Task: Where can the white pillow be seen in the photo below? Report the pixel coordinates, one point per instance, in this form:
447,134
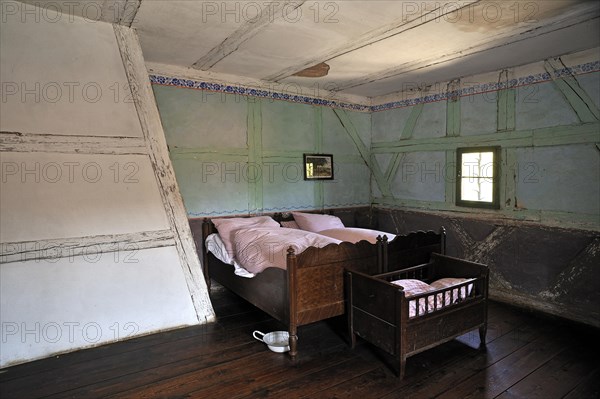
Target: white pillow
316,222
227,226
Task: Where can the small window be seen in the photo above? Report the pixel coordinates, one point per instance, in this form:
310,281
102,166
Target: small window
477,177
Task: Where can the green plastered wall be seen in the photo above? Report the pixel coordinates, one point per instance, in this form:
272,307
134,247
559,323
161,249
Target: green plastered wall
241,155
550,160
234,154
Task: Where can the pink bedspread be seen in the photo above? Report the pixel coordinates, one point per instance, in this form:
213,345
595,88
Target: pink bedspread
355,234
257,248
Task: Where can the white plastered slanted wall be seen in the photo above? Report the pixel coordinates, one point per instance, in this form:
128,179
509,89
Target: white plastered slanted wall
94,241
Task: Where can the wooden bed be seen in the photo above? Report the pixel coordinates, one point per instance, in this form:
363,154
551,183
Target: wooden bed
380,312
312,286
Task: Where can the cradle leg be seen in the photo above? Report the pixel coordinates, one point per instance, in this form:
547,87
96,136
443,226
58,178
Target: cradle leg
352,339
482,333
401,368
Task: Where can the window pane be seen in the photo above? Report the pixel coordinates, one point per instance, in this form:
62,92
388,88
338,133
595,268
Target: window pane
477,189
476,177
478,164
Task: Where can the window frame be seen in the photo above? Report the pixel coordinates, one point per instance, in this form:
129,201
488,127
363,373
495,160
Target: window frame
495,204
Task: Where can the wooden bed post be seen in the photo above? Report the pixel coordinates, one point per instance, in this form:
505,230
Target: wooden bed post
382,254
292,268
443,234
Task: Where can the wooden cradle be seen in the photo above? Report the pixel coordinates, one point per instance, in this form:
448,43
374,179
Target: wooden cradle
312,287
379,311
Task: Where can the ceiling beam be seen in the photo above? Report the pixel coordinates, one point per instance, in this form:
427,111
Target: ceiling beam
584,14
394,28
246,31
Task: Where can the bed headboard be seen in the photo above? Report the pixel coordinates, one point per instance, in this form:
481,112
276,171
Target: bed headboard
412,249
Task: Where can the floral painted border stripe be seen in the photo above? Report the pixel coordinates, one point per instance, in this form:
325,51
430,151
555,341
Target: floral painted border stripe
277,209
593,66
230,89
491,86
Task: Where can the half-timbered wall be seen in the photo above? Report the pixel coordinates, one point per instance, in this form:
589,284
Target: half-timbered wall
543,244
95,245
235,154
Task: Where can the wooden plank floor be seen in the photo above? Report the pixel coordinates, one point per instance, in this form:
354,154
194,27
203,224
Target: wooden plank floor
527,356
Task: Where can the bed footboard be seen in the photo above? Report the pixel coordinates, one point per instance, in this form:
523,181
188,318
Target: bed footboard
316,281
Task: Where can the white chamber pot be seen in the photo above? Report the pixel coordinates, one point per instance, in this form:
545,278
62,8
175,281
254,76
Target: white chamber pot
277,341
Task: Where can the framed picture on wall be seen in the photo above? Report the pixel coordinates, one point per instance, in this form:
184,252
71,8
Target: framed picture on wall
318,167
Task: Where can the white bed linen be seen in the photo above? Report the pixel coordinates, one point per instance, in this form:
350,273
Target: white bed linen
257,248
214,244
356,234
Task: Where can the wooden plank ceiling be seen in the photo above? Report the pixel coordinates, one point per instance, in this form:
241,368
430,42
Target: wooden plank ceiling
372,48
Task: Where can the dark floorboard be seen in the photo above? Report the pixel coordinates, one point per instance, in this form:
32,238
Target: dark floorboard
527,356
